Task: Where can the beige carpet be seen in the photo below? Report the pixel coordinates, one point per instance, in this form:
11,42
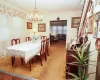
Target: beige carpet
53,69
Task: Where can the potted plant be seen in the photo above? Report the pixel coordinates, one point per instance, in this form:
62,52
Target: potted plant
82,58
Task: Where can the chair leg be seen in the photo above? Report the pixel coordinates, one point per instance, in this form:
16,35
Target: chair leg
12,60
45,56
47,52
30,64
41,61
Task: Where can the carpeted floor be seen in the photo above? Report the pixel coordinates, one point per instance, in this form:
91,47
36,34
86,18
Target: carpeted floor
53,69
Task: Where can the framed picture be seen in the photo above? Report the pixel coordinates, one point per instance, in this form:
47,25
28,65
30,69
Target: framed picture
29,25
75,22
97,16
99,25
90,25
42,27
95,32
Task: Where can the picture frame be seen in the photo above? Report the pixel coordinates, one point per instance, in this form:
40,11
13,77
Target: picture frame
29,25
97,16
90,25
75,22
41,27
99,25
95,32
97,19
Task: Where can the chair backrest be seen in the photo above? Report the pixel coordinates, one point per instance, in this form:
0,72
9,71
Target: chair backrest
27,39
47,42
15,41
43,37
43,46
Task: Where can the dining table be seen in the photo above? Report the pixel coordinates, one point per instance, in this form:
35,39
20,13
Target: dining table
25,50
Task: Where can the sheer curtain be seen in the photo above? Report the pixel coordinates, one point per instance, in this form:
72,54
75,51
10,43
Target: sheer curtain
12,27
54,30
64,30
4,27
18,27
58,30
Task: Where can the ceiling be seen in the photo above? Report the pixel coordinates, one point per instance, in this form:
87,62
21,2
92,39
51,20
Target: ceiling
45,6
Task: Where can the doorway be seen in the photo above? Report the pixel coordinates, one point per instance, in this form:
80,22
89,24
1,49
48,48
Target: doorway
58,30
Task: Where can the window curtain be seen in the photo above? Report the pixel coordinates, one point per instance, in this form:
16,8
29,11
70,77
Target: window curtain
58,30
4,27
54,30
64,30
12,27
58,27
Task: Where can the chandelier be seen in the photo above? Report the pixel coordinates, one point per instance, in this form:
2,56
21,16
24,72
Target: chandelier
35,16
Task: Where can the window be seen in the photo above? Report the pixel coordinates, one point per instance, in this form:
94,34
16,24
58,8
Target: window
4,27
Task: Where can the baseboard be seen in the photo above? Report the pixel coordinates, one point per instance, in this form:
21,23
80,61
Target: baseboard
17,75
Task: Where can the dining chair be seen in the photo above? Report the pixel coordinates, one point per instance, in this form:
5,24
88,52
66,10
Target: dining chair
47,46
43,37
42,52
14,42
27,39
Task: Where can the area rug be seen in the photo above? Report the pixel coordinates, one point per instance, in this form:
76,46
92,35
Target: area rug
4,75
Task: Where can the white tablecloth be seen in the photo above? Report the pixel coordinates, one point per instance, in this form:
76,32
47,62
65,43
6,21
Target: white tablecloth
26,50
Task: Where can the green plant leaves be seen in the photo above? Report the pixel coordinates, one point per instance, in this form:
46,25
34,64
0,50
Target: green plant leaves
81,57
75,77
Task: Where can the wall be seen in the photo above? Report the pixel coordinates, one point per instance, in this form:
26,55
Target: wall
71,32
92,68
16,27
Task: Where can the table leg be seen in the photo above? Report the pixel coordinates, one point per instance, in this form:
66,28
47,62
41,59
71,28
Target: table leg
12,60
22,61
30,64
